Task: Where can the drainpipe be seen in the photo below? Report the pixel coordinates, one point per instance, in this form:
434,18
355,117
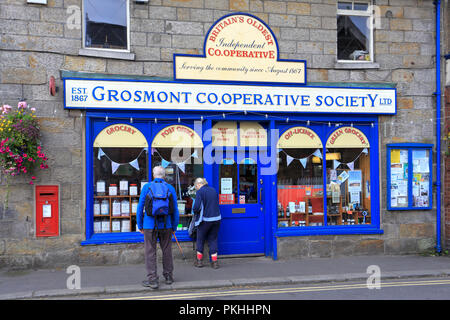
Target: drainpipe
437,3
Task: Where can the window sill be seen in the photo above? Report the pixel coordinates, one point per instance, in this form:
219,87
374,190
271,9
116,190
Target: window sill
329,230
127,237
356,65
107,54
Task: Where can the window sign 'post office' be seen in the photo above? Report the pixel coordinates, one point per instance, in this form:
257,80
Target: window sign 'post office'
240,47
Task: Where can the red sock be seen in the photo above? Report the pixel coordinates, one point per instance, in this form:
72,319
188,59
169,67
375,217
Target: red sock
214,257
199,256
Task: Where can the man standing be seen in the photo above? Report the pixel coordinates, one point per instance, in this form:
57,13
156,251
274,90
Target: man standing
206,208
154,227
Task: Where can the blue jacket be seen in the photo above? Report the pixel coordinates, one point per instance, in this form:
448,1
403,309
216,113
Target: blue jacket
206,205
146,222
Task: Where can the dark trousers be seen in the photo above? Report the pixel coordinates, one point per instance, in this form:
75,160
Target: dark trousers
165,242
208,231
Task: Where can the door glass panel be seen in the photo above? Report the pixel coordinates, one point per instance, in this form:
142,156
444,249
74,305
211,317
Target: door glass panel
228,181
248,177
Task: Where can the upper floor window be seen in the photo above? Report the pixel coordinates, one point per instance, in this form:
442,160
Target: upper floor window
106,24
354,31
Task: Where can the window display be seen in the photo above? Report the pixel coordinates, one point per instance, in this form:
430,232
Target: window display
179,149
112,203
348,186
181,176
300,178
120,160
348,177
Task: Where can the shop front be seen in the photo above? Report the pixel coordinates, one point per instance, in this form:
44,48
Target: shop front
287,159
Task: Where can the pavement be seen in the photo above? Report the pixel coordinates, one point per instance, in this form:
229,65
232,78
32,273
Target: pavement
233,272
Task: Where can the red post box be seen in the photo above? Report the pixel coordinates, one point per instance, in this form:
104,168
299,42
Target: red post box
47,211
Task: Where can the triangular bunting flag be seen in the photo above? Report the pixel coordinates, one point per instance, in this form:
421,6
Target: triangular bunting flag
336,164
114,166
195,154
365,151
318,154
164,163
181,165
289,159
351,165
303,162
100,153
135,164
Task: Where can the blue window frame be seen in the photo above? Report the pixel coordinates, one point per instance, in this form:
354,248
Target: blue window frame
409,176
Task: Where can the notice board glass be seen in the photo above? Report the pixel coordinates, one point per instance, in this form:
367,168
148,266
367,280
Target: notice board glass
409,176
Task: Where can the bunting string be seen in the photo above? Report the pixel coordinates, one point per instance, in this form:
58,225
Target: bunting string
317,153
115,165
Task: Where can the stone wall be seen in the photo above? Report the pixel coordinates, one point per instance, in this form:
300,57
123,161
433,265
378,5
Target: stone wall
37,42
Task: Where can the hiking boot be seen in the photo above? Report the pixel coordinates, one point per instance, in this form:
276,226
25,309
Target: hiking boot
198,263
151,284
169,279
214,265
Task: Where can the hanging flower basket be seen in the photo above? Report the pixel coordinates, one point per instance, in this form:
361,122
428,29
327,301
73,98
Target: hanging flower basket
20,146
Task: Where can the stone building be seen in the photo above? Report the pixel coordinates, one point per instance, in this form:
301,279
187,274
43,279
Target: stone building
392,44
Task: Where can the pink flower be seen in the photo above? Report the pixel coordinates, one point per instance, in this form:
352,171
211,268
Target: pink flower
22,105
31,182
33,177
6,108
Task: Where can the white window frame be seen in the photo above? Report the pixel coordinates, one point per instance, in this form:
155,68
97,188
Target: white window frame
360,13
127,50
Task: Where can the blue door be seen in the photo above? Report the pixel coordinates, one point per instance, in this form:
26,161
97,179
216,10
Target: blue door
237,179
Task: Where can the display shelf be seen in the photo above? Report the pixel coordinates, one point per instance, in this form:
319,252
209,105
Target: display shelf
131,216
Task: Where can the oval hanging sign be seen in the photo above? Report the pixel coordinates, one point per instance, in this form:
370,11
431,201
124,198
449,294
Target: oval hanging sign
348,137
299,137
177,136
240,47
120,135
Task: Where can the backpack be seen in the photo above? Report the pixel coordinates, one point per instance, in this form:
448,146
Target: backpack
158,202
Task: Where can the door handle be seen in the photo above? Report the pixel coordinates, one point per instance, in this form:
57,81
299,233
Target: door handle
260,196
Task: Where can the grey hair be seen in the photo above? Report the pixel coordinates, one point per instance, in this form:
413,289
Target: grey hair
201,181
159,172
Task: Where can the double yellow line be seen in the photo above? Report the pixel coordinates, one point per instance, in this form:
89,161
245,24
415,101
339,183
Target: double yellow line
263,291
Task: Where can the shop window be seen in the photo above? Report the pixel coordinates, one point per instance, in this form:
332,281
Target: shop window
354,31
179,150
300,179
348,177
120,168
409,176
106,24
